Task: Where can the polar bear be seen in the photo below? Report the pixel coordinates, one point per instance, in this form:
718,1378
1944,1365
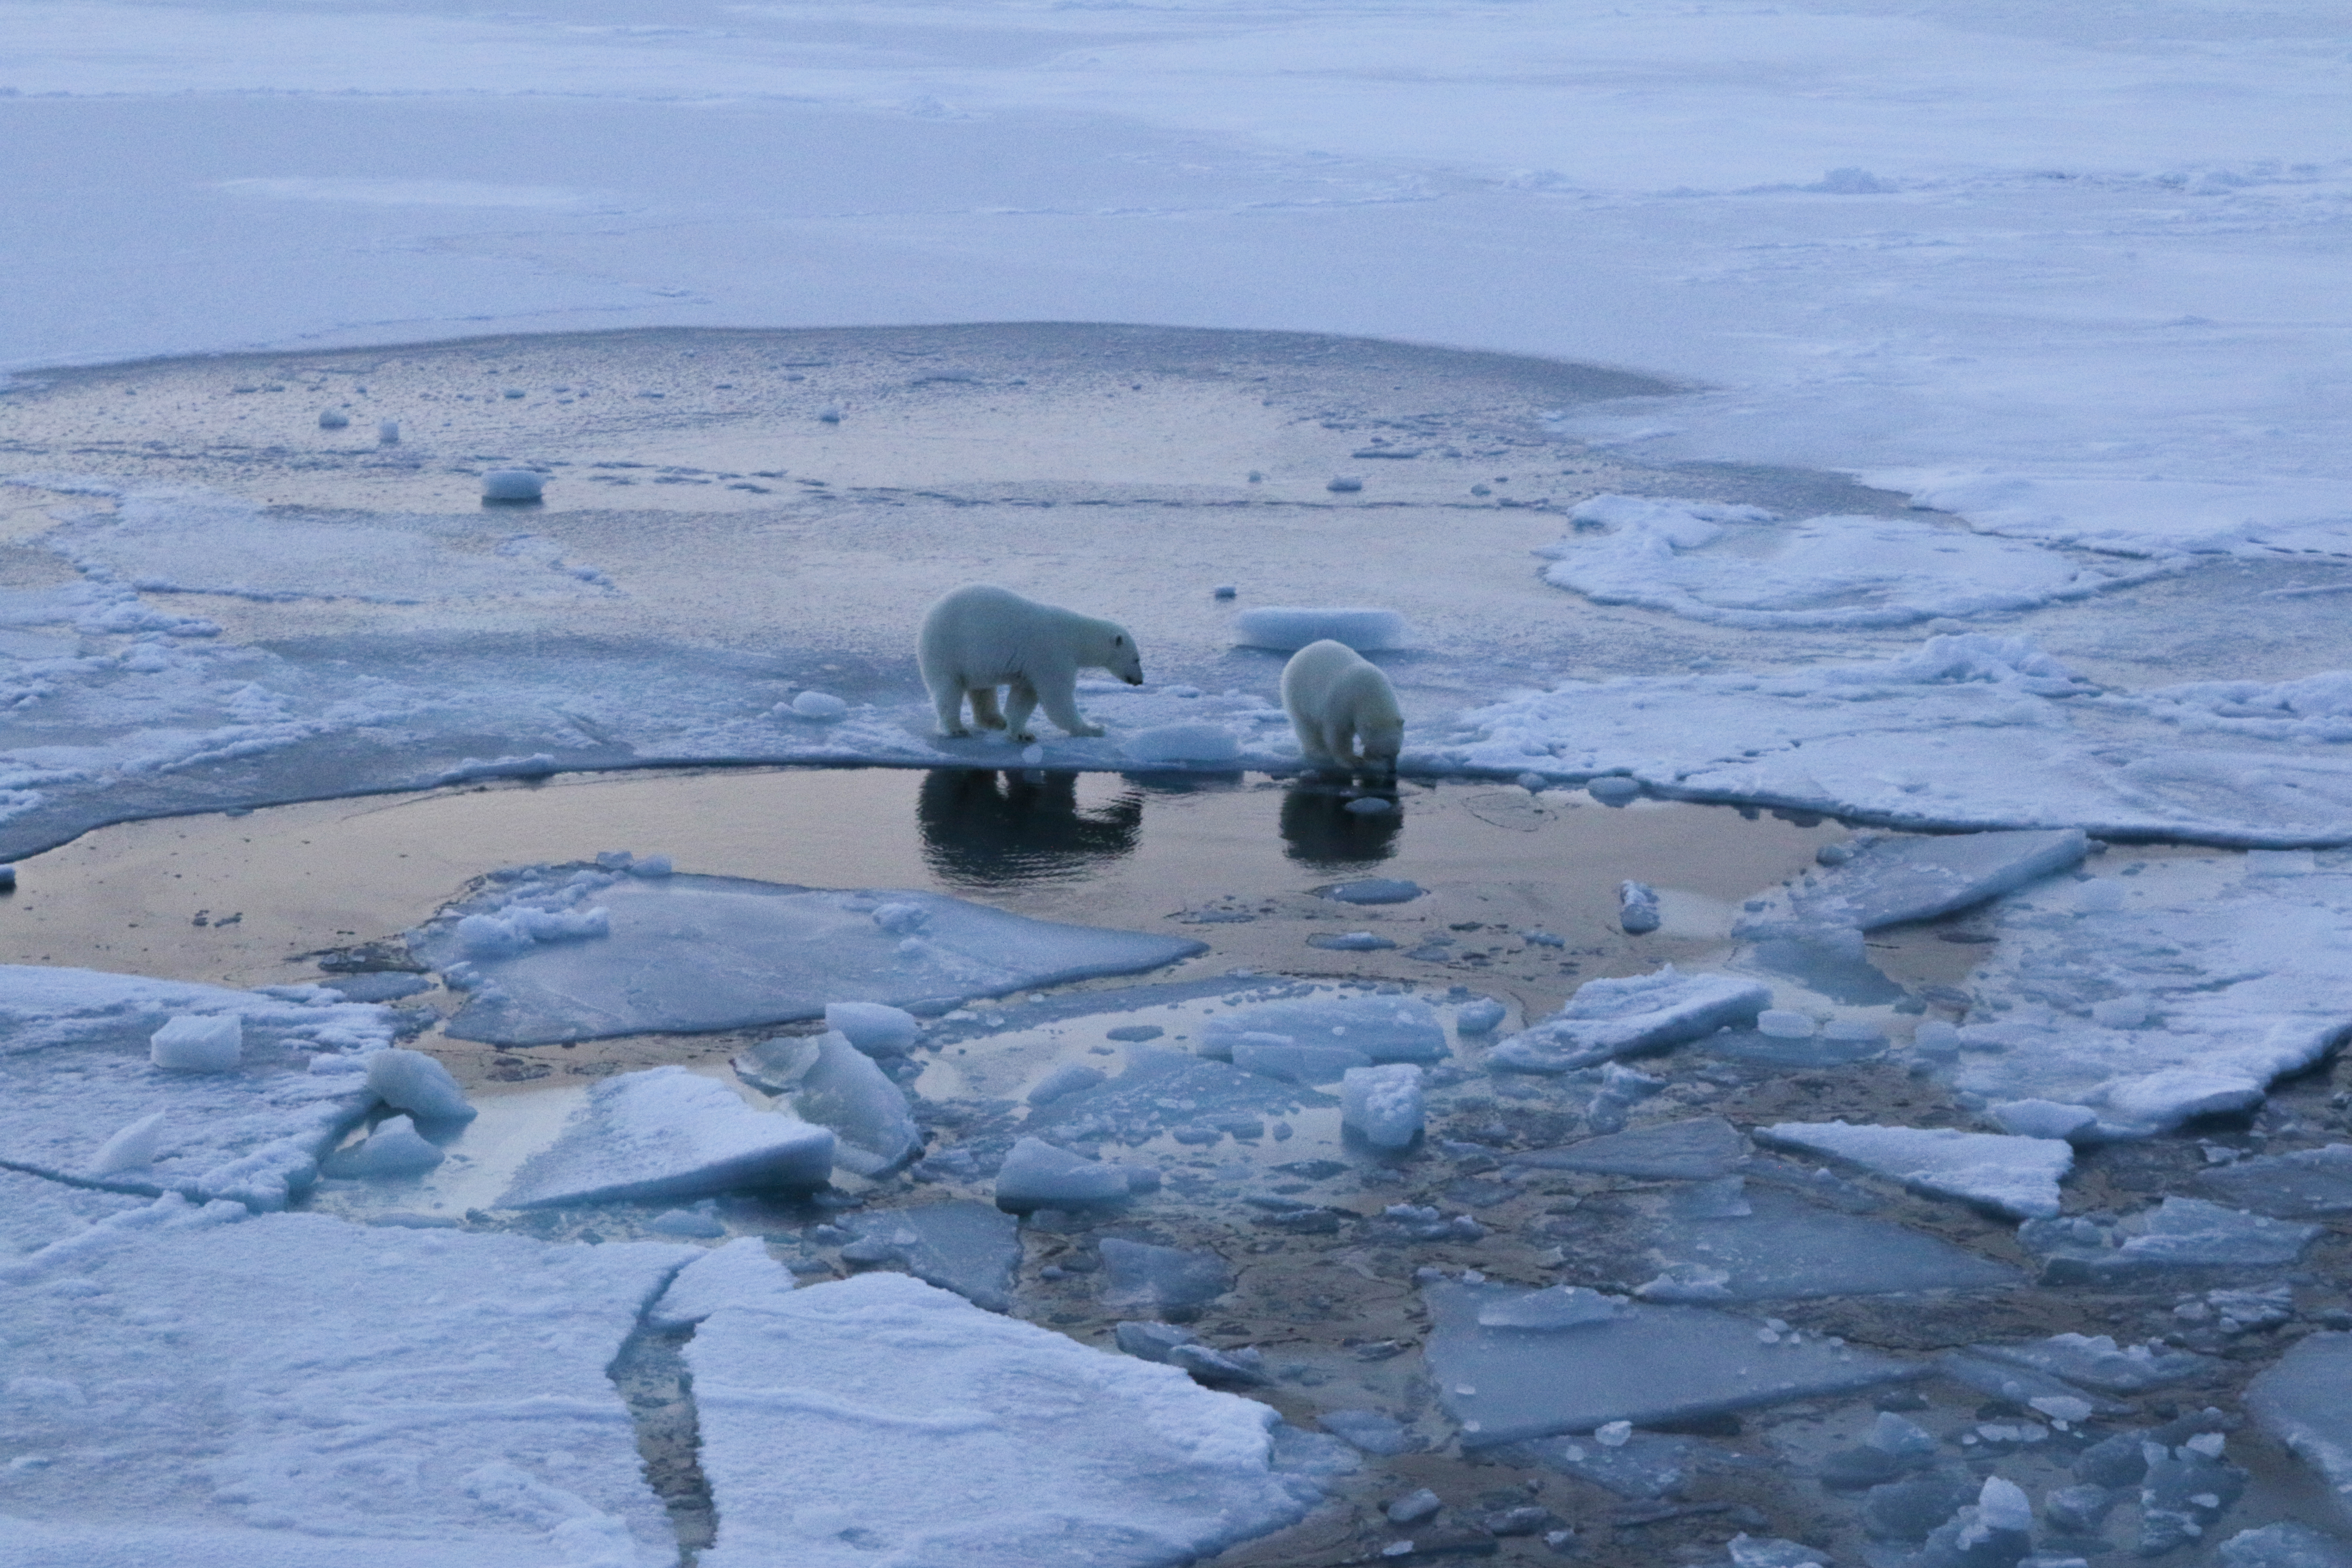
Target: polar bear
980,637
1335,698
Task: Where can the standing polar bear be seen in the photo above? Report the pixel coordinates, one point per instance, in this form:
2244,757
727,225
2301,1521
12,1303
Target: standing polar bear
1335,698
979,638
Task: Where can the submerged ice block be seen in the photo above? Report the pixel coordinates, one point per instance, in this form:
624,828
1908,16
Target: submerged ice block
1889,880
1615,1017
971,1248
1383,1028
2011,1176
1785,1248
667,1133
947,1434
1647,1364
2304,1400
1696,1151
309,1393
686,953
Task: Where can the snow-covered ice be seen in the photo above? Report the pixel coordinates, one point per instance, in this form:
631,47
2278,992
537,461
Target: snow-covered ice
667,1133
1286,629
1615,1017
290,1389
191,1042
570,953
391,1148
1036,1174
413,1081
741,1273
1383,1103
874,1028
830,1082
2015,1177
975,1439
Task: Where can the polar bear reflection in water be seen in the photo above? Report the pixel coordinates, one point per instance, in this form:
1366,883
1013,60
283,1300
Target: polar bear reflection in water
982,828
980,638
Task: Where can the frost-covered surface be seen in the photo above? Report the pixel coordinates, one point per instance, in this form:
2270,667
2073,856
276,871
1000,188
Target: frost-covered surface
740,1273
1617,1018
2149,999
667,1133
977,1440
2016,1176
206,1388
569,952
2305,1402
35,1212
76,1069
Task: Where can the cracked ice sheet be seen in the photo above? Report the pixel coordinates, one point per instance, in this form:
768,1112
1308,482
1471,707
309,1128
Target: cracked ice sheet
74,1071
690,952
214,1390
975,1439
2232,968
1968,732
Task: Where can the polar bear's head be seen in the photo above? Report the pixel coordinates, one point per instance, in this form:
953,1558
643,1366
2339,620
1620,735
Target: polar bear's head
1118,654
1382,740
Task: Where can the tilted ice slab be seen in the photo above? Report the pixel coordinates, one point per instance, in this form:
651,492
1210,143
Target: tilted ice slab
75,1071
971,1248
1650,1365
668,1133
2178,1233
2097,1361
1787,1248
1617,1018
1968,732
1890,880
288,1389
2305,1402
2015,1177
541,964
2183,990
969,1438
1744,567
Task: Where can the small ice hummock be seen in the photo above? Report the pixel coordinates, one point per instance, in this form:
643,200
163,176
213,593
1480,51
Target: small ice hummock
831,1083
2011,1176
193,1042
1138,1276
134,1148
1383,1103
742,1273
1286,629
1194,745
874,1028
511,485
394,1149
1037,1175
1614,1017
387,433
1114,1461
413,1081
2043,1119
333,419
819,706
971,1248
1891,879
1637,909
1383,1028
667,1133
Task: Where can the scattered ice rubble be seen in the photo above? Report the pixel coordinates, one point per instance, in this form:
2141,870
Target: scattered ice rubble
571,953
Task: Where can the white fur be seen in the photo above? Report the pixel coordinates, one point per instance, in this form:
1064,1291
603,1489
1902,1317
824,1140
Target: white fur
1335,699
979,638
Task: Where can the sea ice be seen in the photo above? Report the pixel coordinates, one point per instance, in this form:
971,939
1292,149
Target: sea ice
2178,1233
1787,1248
1375,891
1138,1276
2097,1361
1182,744
2304,1184
1277,1056
742,1273
1645,1466
413,1081
1383,1103
1383,1028
667,1133
76,1075
1891,879
979,1441
2015,1177
2235,969
1637,909
1037,1175
190,1042
1615,1017
419,1398
132,1149
36,1211
830,1082
1163,1089
874,1028
1650,1365
512,485
971,1248
1562,1307
1068,1078
2287,1545
1697,1150
1286,629
689,952
393,1148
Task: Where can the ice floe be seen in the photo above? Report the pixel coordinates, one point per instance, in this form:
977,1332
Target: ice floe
1383,1028
1695,1150
2177,1233
741,1273
569,952
2304,1184
1785,1246
977,1439
1885,880
1615,1017
668,1133
2015,1177
971,1248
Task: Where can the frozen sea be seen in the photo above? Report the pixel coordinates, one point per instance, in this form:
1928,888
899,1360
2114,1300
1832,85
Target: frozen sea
1828,1052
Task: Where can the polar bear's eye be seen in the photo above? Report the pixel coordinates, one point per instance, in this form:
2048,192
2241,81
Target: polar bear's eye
1119,642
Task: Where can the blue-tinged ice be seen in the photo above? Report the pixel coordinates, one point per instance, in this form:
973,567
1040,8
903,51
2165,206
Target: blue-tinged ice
1697,1150
971,1248
2287,1545
2304,1184
2097,1361
1140,1277
1383,1103
1888,880
1385,1029
2304,1400
1621,1016
667,1133
1037,1175
1787,1248
574,953
2015,1177
2178,1233
741,1273
828,1081
36,1211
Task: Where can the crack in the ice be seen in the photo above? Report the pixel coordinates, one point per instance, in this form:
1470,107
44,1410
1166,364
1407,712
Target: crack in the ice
651,1376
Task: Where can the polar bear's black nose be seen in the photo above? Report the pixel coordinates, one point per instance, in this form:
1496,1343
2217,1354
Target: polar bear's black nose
1135,680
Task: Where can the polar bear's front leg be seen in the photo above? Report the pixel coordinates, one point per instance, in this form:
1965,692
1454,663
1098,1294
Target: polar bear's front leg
1061,701
1020,701
983,707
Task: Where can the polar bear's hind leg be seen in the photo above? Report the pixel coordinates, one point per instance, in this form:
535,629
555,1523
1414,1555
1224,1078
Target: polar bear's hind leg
1020,701
983,707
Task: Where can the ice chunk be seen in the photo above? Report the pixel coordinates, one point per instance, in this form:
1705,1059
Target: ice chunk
1479,1016
2042,1118
2285,1544
414,1082
2304,1400
1369,1430
1375,891
698,1223
1068,1078
818,707
1287,628
1644,1466
971,1248
1650,1365
2097,1361
1352,941
830,1082
1699,1149
1637,907
192,1043
874,1028
387,433
1182,744
1383,1103
1788,1247
742,1273
1136,1274
690,952
512,485
2015,1177
2178,1233
1891,879
2304,1184
333,419
1384,1029
1037,1175
1563,1306
667,1133
1109,1460
296,1363
1277,1056
134,1148
1614,1017
394,1149
1750,1551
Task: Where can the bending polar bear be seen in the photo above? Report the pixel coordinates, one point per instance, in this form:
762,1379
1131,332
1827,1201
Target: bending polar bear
1335,698
979,638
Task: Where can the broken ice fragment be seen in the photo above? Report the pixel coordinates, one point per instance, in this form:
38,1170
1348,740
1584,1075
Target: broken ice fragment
1383,1028
1788,1249
2304,1400
2043,1119
741,1273
1615,1017
669,1133
1369,1430
394,1149
874,1028
1383,1103
971,1248
1037,1175
1637,907
193,1042
414,1082
132,1149
1159,1279
1277,1056
2287,1545
2305,1184
2097,1361
512,485
1893,879
829,1082
1562,1307
2015,1177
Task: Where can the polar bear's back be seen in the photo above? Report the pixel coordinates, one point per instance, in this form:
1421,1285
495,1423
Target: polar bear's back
982,635
1326,678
